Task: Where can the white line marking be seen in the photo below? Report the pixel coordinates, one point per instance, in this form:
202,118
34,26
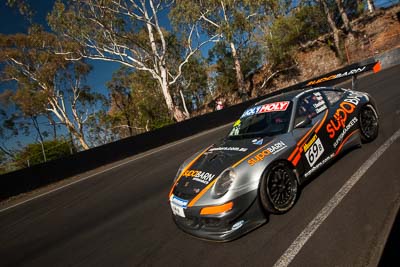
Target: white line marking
301,240
139,156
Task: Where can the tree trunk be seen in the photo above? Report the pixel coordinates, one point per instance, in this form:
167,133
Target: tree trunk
79,136
187,114
371,6
53,124
41,141
334,28
238,69
175,111
81,139
345,19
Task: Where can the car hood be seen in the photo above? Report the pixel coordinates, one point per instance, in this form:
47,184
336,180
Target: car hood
212,162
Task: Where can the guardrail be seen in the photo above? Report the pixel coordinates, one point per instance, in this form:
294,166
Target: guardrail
45,173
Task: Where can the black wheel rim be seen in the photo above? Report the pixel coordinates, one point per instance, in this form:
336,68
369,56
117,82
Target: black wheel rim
369,122
281,188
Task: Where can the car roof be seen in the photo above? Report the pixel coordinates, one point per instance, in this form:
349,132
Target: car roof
280,97
288,96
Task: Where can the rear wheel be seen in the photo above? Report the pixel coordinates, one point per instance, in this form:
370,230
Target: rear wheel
369,125
278,188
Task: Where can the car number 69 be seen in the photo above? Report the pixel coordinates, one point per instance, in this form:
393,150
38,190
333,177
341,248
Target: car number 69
314,152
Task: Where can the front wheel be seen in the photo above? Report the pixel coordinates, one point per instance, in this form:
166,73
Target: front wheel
369,125
278,188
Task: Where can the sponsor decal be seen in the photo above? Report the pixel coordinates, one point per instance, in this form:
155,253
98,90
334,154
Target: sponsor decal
320,105
339,120
319,165
309,143
179,201
237,123
257,141
236,128
238,225
178,206
272,149
337,76
199,176
345,130
314,151
270,107
240,149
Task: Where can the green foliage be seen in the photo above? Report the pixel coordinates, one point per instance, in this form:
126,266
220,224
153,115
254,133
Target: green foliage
223,65
48,85
33,152
287,32
234,22
193,82
231,19
136,103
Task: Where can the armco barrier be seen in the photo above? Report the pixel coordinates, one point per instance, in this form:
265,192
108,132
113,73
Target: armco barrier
42,174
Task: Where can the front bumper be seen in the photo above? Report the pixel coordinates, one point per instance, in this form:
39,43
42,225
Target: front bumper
245,215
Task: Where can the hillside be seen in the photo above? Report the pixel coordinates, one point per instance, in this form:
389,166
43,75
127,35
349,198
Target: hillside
374,34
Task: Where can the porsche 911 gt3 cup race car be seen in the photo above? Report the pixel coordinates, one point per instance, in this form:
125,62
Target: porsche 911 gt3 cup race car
230,187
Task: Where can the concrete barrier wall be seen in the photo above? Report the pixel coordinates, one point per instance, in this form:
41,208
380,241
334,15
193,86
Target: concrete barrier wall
390,58
42,174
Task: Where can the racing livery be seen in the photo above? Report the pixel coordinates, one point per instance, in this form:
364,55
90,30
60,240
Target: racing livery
230,187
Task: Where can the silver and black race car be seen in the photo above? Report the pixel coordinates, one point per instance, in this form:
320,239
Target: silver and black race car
230,187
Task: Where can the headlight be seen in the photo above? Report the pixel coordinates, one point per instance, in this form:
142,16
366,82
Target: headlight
224,182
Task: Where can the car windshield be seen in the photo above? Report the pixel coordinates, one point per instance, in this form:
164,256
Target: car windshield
264,120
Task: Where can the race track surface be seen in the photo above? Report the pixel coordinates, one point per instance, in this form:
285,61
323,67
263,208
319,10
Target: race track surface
121,217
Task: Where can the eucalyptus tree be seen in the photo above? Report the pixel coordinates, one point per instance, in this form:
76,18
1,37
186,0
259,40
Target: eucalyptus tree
46,83
234,21
332,24
133,33
345,18
371,6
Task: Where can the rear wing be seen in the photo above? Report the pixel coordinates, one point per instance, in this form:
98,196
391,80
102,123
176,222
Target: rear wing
330,78
349,71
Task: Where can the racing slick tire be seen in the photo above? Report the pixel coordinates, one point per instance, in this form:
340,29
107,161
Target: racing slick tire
369,124
278,188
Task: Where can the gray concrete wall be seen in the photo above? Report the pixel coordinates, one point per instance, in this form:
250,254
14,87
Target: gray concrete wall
389,58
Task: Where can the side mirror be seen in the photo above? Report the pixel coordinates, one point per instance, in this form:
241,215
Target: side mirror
304,123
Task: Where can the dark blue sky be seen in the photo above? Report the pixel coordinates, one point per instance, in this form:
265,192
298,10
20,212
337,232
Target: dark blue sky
12,22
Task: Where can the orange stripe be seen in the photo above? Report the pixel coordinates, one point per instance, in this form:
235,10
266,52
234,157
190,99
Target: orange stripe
299,144
252,153
185,169
322,122
306,135
216,209
202,192
344,141
296,159
293,153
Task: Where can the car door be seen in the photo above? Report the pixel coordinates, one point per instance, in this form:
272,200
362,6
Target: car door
314,149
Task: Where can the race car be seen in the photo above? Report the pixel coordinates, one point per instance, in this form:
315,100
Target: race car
230,187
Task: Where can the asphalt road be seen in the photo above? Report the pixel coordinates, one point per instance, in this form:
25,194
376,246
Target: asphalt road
121,217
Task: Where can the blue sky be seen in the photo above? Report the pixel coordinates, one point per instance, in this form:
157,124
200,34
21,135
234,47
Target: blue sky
12,22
